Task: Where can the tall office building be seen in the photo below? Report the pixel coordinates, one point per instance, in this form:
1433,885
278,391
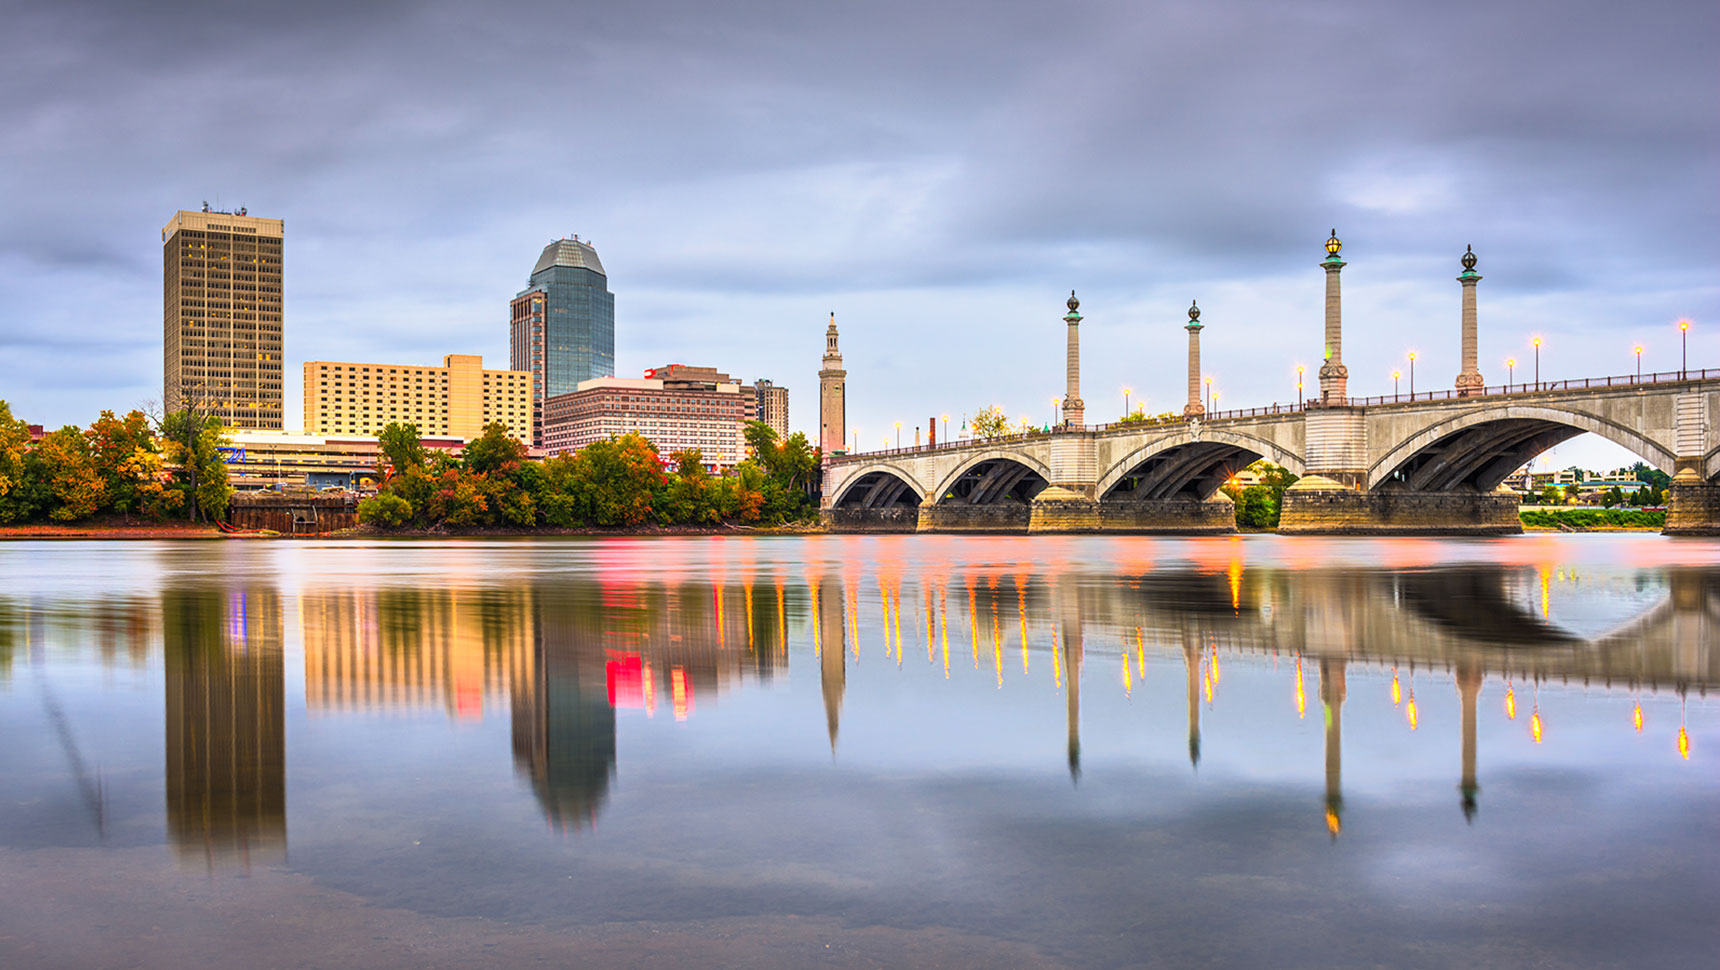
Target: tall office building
772,406
221,316
562,325
460,398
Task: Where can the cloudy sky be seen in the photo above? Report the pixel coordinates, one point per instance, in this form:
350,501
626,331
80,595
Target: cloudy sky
938,174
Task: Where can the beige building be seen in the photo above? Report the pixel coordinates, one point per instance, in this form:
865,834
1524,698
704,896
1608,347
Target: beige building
832,396
675,406
457,399
771,406
221,316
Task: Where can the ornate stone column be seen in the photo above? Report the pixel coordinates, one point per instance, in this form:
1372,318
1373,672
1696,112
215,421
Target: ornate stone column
1074,413
1470,381
1195,407
1334,376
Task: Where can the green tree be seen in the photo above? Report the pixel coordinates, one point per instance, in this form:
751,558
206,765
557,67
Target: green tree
991,423
402,447
193,442
16,502
62,460
494,451
124,453
612,482
1552,495
385,509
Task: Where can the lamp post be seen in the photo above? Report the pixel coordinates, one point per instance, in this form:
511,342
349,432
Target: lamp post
1214,401
1639,363
1394,383
1054,403
856,440
1537,343
1209,397
898,435
946,435
1412,375
1684,350
1299,370
1126,393
1510,370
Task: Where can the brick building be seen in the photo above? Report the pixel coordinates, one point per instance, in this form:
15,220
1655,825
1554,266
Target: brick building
677,407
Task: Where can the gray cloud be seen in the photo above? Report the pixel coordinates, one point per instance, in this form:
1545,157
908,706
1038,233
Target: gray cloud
940,175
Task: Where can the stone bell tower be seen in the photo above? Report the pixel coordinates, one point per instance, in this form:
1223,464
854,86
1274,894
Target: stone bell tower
832,396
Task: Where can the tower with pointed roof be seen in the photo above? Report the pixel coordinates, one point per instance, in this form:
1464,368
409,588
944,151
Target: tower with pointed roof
832,395
562,325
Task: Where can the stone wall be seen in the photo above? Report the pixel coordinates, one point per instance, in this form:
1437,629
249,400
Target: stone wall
293,512
1002,517
1342,511
899,519
1176,516
1692,510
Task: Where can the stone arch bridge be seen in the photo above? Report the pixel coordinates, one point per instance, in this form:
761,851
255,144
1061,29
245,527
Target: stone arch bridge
1429,463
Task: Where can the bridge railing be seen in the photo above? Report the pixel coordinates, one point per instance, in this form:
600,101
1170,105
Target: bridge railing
1532,387
1498,390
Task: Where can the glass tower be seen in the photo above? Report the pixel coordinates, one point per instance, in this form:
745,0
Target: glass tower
562,325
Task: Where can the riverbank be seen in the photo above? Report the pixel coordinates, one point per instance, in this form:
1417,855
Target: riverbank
110,529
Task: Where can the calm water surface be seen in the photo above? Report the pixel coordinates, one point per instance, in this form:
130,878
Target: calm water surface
859,752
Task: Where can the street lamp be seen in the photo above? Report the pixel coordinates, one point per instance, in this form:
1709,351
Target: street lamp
1412,375
1684,350
1209,397
1054,403
1215,402
1537,343
946,438
898,436
1394,382
1639,363
1510,370
1126,393
856,441
1299,370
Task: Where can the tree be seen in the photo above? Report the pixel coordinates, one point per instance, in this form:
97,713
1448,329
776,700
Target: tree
401,448
124,453
991,423
385,509
608,483
64,463
193,442
15,503
1551,495
494,451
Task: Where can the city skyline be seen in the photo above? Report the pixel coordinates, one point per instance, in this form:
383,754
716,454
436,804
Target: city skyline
754,175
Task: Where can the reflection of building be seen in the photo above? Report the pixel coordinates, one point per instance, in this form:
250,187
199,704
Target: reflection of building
458,399
221,316
829,611
677,407
406,649
226,749
563,722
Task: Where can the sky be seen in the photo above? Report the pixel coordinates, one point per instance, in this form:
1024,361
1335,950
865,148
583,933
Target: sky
939,175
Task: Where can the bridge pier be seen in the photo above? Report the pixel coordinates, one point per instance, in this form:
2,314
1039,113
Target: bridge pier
852,519
1692,506
1388,511
1170,516
1002,517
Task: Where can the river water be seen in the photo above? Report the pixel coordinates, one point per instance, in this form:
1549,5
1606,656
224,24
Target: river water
861,752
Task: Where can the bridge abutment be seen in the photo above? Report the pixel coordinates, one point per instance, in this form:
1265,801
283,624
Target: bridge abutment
1330,510
849,519
1692,506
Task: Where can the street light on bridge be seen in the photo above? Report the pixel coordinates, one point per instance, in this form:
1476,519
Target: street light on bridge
898,436
1126,393
1510,370
1412,374
946,436
1299,370
1054,403
1684,350
1394,382
1209,397
1639,362
1537,343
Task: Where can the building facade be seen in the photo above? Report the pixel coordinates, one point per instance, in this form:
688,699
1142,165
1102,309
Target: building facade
771,406
832,396
676,407
221,316
561,327
457,399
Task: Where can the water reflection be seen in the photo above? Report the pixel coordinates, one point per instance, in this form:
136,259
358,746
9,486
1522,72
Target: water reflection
225,739
565,649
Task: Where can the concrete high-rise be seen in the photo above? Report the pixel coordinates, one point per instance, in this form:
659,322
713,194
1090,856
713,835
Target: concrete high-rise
221,316
562,325
832,396
771,406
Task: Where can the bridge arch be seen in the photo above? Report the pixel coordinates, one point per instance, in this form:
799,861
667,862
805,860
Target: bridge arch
1187,456
972,465
878,485
1479,448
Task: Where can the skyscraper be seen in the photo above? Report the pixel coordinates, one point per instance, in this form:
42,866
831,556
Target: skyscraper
562,325
221,316
772,406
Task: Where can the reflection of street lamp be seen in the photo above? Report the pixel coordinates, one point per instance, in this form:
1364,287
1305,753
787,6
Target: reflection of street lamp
898,435
1537,343
1394,383
1639,363
1412,375
1299,370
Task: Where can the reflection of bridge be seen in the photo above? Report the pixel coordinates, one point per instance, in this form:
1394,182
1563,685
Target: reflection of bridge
1428,463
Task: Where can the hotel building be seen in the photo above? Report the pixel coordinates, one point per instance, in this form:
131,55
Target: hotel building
221,316
677,407
457,399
